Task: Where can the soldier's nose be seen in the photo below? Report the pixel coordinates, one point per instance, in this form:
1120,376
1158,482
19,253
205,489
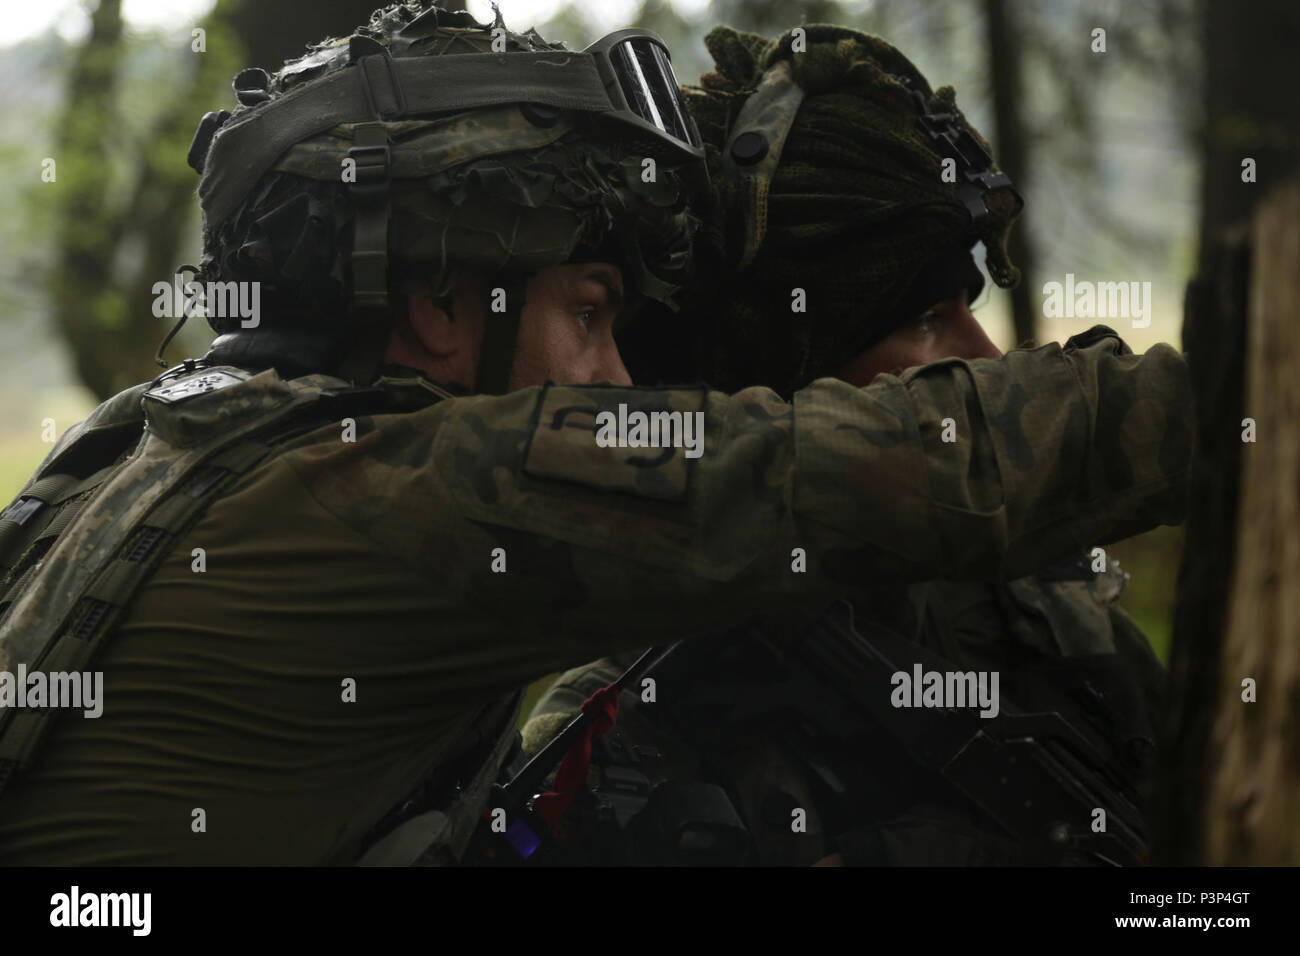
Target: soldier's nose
613,370
978,344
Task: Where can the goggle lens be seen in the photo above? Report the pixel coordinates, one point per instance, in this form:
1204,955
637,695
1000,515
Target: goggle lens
646,78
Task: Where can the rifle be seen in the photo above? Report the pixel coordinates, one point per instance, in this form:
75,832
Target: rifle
526,832
1037,775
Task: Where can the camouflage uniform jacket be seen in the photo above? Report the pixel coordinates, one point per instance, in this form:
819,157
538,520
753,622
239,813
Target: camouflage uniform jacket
446,557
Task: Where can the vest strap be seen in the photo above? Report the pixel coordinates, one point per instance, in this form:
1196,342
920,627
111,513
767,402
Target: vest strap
439,837
99,568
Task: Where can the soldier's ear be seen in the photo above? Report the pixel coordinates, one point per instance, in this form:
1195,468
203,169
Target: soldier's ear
440,328
444,320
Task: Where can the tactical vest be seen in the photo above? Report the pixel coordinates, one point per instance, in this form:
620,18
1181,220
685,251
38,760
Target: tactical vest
121,488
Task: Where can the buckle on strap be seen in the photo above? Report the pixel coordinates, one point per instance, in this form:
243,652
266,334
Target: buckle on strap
974,164
374,164
373,168
362,51
370,194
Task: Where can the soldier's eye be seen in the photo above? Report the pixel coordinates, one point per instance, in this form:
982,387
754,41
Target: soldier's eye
928,320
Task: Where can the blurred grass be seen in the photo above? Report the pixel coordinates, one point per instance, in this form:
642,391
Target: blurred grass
21,447
17,461
1152,561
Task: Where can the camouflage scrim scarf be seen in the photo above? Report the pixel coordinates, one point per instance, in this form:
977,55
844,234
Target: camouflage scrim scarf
856,208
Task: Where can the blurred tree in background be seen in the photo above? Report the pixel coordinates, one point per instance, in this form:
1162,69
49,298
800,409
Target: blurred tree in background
1251,111
116,231
114,239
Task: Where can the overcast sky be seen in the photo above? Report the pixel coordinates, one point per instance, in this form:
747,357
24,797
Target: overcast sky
20,19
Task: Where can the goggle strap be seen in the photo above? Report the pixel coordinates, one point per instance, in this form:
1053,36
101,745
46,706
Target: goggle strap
642,279
754,148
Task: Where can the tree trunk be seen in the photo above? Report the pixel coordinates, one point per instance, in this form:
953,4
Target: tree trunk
102,299
1011,152
1214,337
275,32
1229,790
1250,107
88,309
1253,808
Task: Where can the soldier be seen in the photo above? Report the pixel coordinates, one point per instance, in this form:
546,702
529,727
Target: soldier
315,579
743,752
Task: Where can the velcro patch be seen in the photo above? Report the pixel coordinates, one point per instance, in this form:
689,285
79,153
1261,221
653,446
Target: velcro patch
640,441
200,383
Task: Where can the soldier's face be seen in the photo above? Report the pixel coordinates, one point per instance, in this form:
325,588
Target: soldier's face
946,330
565,330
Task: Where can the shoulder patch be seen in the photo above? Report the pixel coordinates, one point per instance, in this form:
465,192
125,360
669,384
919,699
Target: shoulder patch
199,383
641,441
189,410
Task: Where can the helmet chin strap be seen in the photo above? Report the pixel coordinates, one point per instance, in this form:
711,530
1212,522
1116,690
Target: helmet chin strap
362,363
370,195
365,360
500,337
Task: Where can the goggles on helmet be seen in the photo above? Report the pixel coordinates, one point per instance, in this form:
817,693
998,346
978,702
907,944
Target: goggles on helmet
638,75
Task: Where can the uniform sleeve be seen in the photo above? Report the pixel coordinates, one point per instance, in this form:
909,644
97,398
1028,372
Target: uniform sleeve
977,469
990,468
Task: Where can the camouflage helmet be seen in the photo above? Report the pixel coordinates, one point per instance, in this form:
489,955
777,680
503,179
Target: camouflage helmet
425,141
838,174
